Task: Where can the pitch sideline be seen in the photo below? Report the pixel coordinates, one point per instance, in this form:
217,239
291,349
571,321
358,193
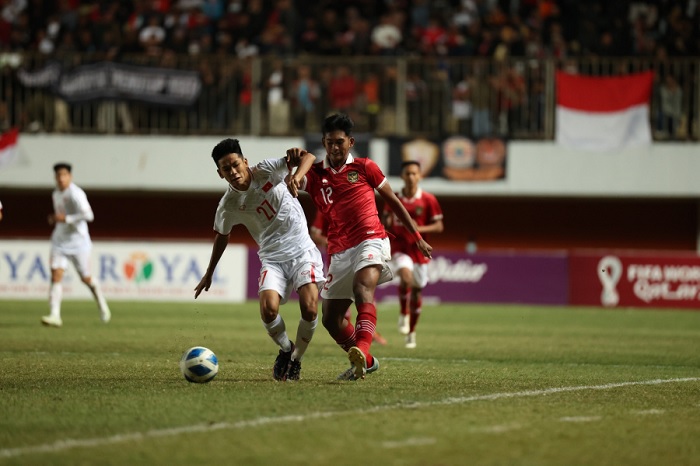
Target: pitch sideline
61,445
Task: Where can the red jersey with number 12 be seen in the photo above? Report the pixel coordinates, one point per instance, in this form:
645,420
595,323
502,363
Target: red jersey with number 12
345,197
424,209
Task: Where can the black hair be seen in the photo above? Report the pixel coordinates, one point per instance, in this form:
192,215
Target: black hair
338,121
225,147
61,166
406,163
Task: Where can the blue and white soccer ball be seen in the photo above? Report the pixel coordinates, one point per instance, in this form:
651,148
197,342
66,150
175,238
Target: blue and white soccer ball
199,365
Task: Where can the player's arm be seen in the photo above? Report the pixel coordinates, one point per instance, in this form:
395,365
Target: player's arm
387,217
400,211
303,160
435,226
84,211
220,243
434,216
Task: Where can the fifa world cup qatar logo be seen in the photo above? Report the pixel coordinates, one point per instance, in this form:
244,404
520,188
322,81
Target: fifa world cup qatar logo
609,273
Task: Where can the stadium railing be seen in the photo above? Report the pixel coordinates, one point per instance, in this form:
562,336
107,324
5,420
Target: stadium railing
513,98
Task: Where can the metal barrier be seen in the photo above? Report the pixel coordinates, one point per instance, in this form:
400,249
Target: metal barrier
386,96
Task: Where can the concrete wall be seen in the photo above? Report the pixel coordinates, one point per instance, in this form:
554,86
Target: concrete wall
157,163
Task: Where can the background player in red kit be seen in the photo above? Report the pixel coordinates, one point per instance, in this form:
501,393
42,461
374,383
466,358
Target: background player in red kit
342,187
407,260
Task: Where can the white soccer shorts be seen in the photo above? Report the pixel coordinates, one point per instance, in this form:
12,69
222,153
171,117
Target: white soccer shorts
81,261
341,273
283,277
419,272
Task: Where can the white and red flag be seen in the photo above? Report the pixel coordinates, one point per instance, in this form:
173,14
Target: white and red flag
8,146
603,113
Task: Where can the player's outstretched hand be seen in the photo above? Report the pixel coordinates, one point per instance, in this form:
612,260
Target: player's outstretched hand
203,284
425,248
294,156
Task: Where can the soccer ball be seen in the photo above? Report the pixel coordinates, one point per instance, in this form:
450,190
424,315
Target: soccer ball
199,365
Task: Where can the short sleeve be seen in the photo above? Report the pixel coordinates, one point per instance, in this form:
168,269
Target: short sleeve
223,220
275,169
375,176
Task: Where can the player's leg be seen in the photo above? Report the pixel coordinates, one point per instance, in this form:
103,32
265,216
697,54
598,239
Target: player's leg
371,265
340,290
306,274
334,321
277,331
419,281
341,330
272,320
366,280
81,262
404,269
273,289
58,263
378,338
308,304
404,300
337,300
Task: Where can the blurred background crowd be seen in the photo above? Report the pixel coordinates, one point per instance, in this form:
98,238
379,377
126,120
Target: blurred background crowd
472,67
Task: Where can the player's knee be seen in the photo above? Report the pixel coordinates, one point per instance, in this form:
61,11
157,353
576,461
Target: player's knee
268,314
268,310
308,301
56,275
309,310
363,294
329,323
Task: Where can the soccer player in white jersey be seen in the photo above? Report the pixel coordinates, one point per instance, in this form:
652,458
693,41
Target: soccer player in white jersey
70,242
257,197
342,187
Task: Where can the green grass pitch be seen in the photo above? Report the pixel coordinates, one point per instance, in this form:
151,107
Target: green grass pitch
487,385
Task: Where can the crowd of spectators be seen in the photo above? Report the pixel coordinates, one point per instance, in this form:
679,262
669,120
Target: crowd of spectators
485,28
495,30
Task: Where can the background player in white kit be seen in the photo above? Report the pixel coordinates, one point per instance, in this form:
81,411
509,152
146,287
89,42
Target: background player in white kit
70,242
257,198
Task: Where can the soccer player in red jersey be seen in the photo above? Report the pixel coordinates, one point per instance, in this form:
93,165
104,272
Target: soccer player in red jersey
407,260
342,187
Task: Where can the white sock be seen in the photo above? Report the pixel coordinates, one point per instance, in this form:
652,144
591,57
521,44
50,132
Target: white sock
55,297
305,332
97,293
278,332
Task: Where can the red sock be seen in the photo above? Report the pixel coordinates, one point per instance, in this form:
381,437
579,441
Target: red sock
404,296
346,339
416,308
366,325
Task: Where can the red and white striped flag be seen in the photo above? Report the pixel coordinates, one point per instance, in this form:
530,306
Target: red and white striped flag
8,146
603,113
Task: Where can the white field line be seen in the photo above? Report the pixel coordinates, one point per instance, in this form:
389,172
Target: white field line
649,412
61,445
580,418
497,429
409,442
